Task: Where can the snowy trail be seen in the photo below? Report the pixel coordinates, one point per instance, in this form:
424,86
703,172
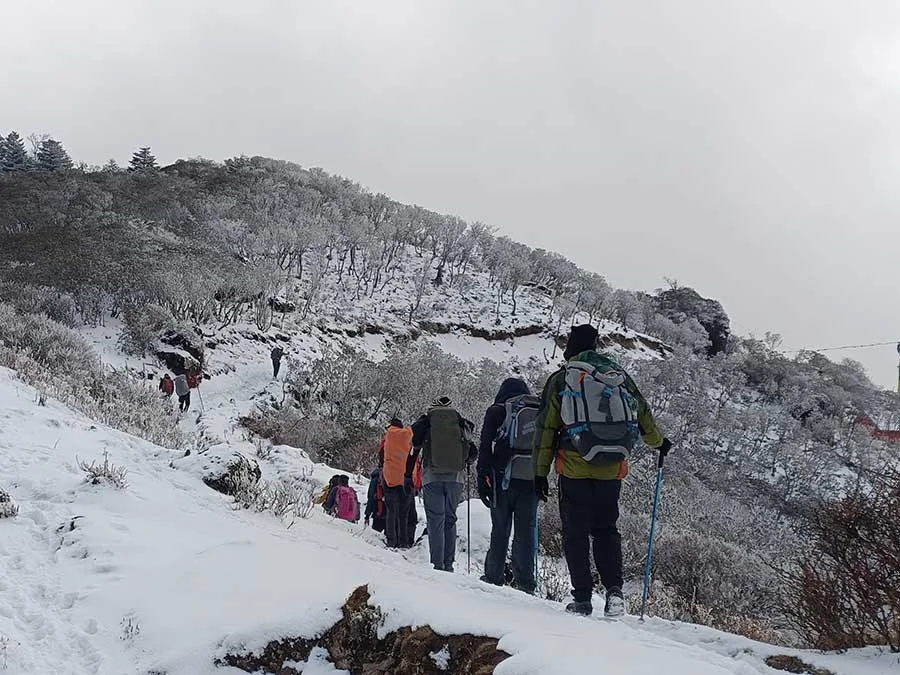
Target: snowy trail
166,575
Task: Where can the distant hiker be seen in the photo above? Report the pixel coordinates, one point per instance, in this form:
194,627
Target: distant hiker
183,391
441,437
375,510
193,378
506,482
591,416
344,502
396,446
277,353
166,385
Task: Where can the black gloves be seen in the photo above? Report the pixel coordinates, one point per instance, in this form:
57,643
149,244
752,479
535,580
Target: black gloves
485,492
665,447
541,487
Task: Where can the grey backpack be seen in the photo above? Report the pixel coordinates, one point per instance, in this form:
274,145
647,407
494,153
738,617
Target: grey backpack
518,430
599,413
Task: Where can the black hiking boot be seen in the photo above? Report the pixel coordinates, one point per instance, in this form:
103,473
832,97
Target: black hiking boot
583,608
615,603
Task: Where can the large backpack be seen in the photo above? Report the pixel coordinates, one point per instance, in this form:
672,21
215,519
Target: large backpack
346,504
599,413
447,448
397,444
517,433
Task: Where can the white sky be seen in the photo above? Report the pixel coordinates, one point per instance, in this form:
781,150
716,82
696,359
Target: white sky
748,149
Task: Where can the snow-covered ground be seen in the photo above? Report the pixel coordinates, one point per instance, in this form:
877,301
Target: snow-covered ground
165,574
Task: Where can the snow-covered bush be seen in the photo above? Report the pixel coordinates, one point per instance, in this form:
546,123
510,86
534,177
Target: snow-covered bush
55,304
58,361
105,473
142,327
287,497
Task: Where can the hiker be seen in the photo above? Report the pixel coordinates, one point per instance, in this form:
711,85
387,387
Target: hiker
277,353
441,436
591,415
166,385
326,491
183,391
375,502
342,501
505,472
395,449
193,378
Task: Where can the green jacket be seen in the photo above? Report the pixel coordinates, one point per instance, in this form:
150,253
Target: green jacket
550,426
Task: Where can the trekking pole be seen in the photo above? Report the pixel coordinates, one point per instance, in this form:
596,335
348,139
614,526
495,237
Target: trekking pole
468,523
536,532
659,475
200,396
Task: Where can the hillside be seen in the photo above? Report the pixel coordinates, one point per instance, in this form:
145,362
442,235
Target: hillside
165,576
382,306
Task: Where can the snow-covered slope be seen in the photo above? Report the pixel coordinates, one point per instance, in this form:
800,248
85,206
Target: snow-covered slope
165,575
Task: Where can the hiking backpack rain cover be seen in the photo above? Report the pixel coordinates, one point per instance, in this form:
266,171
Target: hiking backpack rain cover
447,446
346,504
397,444
517,432
599,413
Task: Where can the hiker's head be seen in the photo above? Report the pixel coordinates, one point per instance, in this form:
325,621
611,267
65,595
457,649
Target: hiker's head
395,422
581,339
344,480
441,401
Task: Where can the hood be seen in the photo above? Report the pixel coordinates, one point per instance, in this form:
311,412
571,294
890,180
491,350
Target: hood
512,386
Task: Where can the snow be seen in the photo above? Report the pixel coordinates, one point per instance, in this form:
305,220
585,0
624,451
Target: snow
441,658
167,575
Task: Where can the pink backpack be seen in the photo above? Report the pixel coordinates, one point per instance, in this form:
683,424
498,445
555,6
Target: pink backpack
346,504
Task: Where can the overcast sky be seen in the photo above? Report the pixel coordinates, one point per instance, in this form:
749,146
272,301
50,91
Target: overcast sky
750,149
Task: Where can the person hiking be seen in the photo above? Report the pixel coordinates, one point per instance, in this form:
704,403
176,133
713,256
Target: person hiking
183,391
441,437
591,415
277,353
396,446
505,472
342,501
327,490
166,385
193,378
375,510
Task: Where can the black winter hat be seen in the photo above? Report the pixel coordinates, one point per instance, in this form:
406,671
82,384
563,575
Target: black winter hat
581,339
395,422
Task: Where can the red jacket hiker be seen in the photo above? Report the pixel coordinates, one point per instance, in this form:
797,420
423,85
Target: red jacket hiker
166,385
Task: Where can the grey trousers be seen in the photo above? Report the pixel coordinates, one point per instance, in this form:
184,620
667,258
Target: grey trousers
441,500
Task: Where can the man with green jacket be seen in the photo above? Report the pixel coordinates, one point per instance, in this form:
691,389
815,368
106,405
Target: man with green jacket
588,491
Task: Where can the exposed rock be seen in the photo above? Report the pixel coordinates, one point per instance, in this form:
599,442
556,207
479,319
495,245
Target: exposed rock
222,468
793,664
8,506
282,306
680,304
353,645
183,339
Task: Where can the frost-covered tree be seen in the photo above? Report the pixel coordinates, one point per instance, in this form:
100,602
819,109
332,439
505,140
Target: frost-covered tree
143,161
14,156
52,156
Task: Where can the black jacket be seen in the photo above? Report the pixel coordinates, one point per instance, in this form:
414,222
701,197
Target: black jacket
495,456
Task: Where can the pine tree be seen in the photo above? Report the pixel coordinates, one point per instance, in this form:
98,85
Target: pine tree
15,157
112,166
52,156
143,162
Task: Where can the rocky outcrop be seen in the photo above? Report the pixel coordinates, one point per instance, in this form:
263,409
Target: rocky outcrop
353,644
682,303
8,506
222,468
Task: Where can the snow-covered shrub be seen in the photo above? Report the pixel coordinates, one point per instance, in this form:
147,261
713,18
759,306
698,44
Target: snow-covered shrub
8,506
222,468
287,498
142,327
53,303
58,361
106,473
847,589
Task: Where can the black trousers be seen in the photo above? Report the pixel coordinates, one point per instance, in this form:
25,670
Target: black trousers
276,366
589,510
184,402
396,505
514,510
